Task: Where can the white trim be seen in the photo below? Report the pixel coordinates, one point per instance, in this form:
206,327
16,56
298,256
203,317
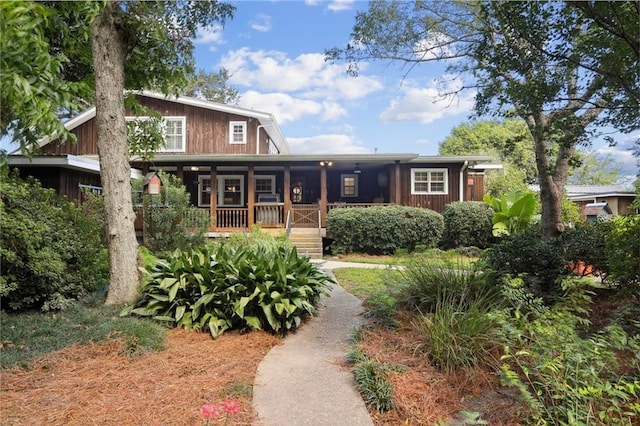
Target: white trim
183,119
345,176
220,188
444,171
73,162
232,124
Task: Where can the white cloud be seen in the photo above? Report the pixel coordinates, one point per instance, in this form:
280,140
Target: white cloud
436,45
428,104
623,158
212,35
262,23
340,5
287,108
327,144
309,75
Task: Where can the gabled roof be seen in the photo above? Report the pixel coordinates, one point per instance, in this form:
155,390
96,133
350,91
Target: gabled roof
268,121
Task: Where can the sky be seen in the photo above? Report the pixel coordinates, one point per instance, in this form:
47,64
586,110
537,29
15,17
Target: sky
274,51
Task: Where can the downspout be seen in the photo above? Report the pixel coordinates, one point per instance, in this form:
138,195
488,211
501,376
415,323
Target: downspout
464,167
258,138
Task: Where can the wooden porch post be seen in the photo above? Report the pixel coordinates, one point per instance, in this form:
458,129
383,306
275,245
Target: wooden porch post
286,192
250,197
179,172
145,168
323,196
396,184
213,198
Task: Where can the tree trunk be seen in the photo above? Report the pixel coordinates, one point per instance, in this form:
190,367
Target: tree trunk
113,149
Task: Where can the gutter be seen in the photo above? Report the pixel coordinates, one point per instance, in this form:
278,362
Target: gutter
464,167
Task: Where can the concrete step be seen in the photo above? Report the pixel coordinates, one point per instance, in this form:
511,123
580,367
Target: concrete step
308,242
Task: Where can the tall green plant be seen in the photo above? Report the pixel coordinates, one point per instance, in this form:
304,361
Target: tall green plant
513,212
227,287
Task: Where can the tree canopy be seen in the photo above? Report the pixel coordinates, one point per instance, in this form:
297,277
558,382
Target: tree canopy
561,68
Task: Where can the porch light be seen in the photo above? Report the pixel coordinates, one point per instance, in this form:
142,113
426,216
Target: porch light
195,168
326,163
357,170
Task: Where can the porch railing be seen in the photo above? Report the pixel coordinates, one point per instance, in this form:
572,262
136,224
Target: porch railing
232,218
331,206
270,215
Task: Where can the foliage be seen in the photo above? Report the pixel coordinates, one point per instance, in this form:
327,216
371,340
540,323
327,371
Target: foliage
513,212
169,221
509,179
256,237
28,335
32,84
383,230
212,87
586,243
371,379
595,170
561,67
226,287
51,253
622,249
452,304
466,223
538,261
510,140
563,377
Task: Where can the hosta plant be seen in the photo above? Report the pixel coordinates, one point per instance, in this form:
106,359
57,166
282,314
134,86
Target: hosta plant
226,287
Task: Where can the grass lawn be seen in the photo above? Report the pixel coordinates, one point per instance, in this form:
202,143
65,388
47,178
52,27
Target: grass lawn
404,259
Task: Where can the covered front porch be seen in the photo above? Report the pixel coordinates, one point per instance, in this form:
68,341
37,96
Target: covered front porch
296,194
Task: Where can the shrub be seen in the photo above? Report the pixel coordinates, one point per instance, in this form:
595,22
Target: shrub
169,221
226,287
565,378
586,243
466,224
51,253
622,250
538,261
383,230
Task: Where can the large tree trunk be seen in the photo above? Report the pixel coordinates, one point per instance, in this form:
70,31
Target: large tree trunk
113,149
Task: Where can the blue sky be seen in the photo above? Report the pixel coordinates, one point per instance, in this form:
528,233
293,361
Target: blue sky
275,53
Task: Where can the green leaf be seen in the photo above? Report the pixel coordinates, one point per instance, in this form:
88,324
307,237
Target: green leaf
180,312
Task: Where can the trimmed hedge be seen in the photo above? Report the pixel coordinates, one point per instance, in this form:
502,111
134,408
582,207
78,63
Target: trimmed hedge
383,229
467,224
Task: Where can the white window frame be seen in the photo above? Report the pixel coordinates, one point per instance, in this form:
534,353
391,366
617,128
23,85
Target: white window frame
265,177
164,130
429,181
220,181
342,180
207,201
232,124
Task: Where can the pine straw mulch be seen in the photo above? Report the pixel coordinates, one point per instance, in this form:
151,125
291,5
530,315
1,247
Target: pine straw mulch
425,396
99,384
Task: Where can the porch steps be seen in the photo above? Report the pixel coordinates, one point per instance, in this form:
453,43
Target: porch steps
308,241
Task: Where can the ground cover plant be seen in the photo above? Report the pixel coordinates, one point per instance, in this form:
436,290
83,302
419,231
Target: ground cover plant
222,287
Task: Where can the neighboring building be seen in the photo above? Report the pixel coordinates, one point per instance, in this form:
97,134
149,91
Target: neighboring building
236,163
590,198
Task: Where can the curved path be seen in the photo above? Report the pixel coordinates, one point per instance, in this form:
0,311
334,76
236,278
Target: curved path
301,382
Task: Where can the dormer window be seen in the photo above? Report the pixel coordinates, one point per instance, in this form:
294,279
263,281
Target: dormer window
238,132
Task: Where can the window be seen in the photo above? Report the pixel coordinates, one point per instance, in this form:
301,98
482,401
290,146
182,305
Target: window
204,191
429,181
175,134
265,184
237,132
231,191
174,129
349,186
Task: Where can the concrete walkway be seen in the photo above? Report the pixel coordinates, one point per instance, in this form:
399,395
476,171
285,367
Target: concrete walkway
301,381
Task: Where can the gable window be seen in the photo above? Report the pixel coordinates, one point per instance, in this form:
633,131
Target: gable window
231,191
429,181
174,131
238,132
175,134
349,185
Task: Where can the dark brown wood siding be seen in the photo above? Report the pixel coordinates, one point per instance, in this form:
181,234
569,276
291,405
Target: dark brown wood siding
207,131
63,181
434,202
